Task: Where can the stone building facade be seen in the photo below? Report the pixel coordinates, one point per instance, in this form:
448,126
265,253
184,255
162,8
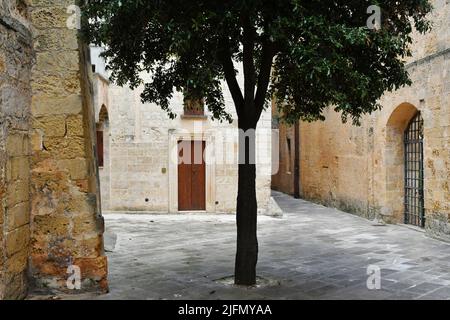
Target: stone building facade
52,109
377,170
50,218
140,171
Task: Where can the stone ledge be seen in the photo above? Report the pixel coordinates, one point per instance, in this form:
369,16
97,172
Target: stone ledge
193,117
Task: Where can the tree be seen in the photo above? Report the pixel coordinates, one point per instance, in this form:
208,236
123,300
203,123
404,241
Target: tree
306,54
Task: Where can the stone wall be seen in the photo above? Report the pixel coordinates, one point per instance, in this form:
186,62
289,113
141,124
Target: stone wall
66,222
15,65
139,174
360,169
334,164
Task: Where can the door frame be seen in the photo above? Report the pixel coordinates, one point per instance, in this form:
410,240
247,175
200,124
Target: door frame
210,180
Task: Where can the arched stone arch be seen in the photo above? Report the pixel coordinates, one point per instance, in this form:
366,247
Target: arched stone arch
394,160
401,116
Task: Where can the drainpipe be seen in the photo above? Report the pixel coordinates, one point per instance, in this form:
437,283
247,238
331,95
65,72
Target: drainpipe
297,160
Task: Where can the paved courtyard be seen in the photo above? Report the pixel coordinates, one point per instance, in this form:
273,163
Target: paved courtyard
312,252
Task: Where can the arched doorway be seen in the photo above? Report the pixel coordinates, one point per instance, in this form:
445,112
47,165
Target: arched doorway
395,161
414,173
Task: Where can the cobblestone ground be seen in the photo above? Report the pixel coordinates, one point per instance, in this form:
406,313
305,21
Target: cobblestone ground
312,252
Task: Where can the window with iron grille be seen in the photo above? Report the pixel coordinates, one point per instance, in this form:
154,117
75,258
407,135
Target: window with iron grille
414,173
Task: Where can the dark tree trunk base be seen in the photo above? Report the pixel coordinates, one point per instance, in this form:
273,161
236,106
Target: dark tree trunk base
246,218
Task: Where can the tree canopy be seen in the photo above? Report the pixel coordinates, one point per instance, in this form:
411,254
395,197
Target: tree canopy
324,52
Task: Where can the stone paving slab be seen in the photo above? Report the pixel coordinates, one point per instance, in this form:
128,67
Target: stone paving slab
312,252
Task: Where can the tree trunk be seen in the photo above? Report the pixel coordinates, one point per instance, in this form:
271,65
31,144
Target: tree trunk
246,212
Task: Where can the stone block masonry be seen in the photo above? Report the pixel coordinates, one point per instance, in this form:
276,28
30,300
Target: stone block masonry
50,216
66,222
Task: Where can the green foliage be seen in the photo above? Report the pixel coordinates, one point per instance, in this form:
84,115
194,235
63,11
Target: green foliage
323,54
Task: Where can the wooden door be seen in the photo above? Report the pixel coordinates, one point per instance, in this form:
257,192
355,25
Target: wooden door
191,176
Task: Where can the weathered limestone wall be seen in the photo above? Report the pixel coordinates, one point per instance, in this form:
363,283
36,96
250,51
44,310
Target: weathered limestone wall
66,221
15,93
334,163
283,178
139,175
360,169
